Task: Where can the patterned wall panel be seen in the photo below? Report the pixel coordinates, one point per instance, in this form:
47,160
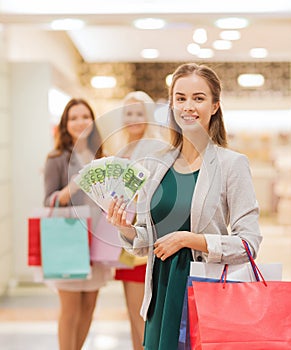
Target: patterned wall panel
150,77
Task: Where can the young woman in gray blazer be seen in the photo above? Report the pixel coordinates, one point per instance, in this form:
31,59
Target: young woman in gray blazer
77,141
198,204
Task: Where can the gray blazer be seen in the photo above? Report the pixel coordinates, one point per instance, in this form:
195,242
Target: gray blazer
224,208
58,172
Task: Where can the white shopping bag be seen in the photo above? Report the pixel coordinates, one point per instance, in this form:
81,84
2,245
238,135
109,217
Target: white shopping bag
239,272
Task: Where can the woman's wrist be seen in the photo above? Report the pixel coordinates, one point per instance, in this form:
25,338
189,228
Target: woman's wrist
129,232
72,188
195,241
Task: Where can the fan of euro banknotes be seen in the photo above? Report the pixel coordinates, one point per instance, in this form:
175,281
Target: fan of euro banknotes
104,178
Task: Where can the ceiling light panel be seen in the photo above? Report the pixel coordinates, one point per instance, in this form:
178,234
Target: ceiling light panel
222,45
259,52
200,36
230,35
251,80
150,53
193,48
67,24
205,53
232,23
169,79
103,82
149,23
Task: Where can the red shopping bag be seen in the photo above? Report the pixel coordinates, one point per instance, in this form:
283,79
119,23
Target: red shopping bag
34,253
243,315
246,315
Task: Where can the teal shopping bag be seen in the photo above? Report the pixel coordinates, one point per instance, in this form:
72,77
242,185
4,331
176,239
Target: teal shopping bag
65,248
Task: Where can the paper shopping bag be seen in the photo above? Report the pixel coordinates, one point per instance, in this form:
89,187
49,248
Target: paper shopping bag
246,315
239,272
105,244
65,248
34,254
205,272
33,227
184,332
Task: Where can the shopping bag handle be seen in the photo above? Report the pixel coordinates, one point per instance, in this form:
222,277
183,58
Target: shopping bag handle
258,275
55,203
255,268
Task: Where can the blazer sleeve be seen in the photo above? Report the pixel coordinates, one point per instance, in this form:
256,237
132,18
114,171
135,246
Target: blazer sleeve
143,241
52,179
242,216
140,244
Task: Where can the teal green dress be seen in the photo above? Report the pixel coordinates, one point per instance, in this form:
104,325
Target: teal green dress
170,210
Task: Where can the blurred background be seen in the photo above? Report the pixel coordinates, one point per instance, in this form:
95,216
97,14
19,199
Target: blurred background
52,50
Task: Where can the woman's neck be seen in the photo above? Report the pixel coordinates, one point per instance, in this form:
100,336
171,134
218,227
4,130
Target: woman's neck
81,145
190,158
134,138
189,151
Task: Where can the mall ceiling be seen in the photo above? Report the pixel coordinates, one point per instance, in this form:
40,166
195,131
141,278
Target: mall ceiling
108,33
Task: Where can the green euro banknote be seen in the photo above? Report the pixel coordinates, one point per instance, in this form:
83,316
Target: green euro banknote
104,178
91,179
130,182
115,168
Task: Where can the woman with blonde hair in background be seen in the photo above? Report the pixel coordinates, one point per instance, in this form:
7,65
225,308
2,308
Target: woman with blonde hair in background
77,142
140,135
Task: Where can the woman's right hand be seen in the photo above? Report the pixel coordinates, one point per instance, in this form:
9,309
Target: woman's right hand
117,216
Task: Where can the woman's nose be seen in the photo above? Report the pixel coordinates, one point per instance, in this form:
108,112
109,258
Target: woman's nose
189,105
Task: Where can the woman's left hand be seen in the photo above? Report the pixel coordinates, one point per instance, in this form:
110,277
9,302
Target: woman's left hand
169,244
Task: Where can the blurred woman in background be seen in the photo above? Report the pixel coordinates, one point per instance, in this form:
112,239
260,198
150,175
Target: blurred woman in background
77,140
141,137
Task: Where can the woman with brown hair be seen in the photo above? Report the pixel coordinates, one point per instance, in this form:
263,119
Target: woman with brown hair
77,142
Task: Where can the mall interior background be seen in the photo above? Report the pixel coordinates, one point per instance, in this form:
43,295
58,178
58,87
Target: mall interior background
33,62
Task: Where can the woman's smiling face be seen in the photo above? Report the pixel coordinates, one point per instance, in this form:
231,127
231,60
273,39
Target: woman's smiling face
193,102
80,122
135,118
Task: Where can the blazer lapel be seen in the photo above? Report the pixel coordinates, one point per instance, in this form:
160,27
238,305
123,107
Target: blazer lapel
206,190
162,165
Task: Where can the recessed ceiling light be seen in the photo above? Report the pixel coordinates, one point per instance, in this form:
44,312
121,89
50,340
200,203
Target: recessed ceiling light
57,100
169,79
205,53
200,36
232,23
251,80
103,82
230,35
193,48
222,44
161,114
258,52
149,23
67,24
150,53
